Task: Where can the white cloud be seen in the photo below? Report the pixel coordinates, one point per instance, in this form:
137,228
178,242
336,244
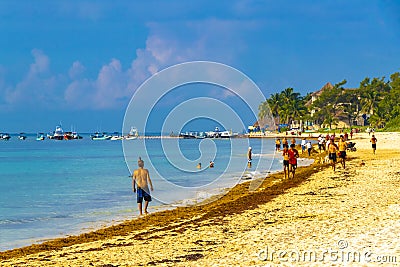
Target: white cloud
78,94
38,87
108,90
113,86
76,70
41,64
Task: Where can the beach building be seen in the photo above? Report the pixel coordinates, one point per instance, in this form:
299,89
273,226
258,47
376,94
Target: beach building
342,120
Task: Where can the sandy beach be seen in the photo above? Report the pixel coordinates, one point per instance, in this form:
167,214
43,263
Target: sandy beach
320,218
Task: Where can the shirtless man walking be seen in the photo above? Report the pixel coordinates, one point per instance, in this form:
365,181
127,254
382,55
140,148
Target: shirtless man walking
141,178
293,155
332,150
373,141
285,155
342,151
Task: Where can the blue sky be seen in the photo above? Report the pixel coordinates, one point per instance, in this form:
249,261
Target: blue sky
80,62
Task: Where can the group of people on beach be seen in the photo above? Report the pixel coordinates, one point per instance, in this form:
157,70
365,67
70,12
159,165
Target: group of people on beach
141,179
341,147
305,144
290,156
290,153
326,143
335,150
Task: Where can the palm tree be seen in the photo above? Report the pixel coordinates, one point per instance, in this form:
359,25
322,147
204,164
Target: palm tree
379,118
292,105
274,103
286,105
369,101
372,92
268,108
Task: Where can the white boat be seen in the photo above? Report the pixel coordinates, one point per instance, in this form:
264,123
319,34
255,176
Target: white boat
228,134
192,135
5,136
98,136
22,136
40,137
133,134
58,134
75,135
116,136
218,134
71,136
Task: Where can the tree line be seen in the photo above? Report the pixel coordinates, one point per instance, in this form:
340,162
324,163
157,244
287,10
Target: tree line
376,100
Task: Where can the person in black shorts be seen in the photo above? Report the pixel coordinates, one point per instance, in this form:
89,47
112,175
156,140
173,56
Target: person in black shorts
373,141
285,155
332,150
293,155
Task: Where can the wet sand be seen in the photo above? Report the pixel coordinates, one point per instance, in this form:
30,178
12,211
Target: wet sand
319,218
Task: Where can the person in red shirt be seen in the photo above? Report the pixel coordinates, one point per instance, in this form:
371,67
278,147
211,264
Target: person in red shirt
293,155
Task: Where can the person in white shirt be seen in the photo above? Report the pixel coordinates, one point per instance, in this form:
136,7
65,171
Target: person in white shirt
309,148
321,143
303,145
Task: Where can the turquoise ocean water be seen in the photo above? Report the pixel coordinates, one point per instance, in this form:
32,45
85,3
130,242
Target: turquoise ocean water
54,188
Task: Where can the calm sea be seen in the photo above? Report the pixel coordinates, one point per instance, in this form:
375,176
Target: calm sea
56,188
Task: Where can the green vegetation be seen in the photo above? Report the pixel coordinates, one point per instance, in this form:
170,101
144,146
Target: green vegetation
375,100
286,106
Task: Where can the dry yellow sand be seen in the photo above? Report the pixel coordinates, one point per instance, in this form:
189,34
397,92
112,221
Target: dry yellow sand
348,217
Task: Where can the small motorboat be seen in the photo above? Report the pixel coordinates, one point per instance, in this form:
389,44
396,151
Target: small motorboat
40,137
221,134
71,136
192,135
133,134
75,135
116,136
22,136
5,136
100,136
